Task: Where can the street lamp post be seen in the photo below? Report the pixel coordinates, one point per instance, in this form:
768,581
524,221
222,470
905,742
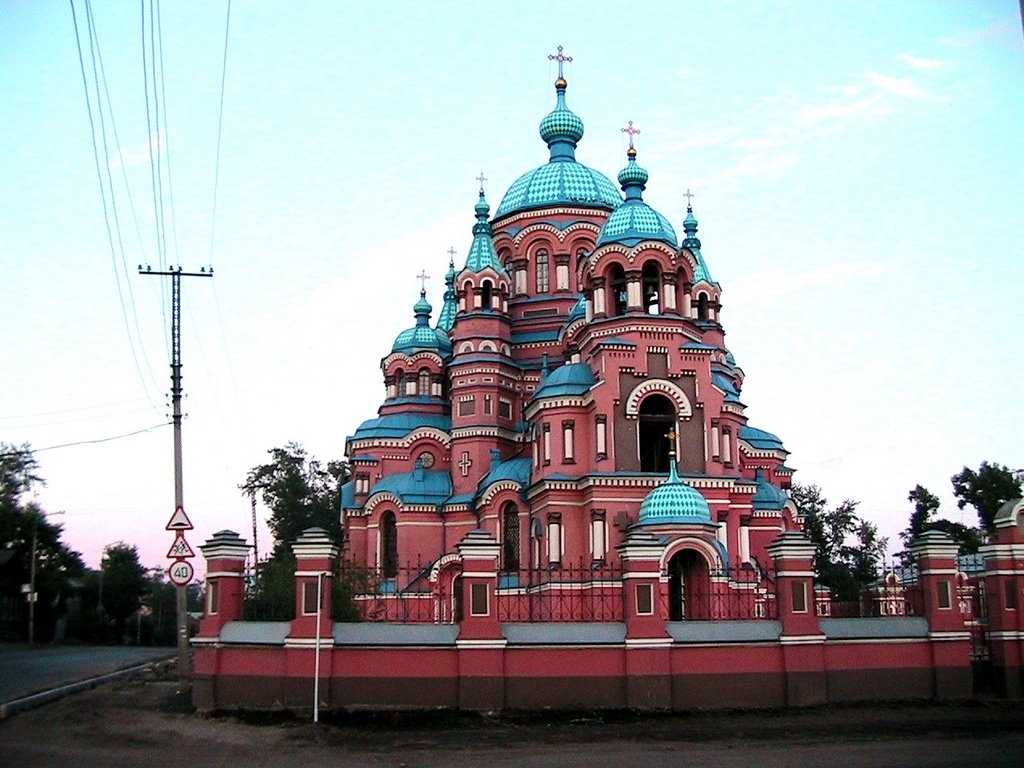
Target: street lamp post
32,575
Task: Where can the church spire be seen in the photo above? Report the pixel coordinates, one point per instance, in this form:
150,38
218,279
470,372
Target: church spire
633,178
692,243
446,318
481,253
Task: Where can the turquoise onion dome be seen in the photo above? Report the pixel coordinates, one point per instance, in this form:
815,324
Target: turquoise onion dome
635,221
562,180
421,337
692,243
481,253
674,502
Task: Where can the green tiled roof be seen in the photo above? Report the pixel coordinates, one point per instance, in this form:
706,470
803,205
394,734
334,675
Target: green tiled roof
571,379
421,337
446,318
674,502
768,496
692,243
560,183
761,440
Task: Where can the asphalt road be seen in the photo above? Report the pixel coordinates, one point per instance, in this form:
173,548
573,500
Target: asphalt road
25,670
142,721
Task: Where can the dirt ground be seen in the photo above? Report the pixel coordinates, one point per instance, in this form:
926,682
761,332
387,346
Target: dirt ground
144,722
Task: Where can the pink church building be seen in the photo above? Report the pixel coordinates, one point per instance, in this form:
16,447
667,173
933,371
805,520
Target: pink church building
561,503
575,385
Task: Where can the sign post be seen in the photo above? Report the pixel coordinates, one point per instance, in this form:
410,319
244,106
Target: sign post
181,573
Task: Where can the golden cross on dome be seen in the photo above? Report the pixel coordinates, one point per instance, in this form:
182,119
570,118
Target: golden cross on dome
481,178
632,132
671,437
423,277
560,58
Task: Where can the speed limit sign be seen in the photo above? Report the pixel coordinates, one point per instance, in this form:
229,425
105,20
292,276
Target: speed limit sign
181,572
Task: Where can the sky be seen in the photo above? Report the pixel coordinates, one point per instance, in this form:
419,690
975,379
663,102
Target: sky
857,173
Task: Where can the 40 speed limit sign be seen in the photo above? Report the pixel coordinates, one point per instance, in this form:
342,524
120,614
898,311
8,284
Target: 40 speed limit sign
181,572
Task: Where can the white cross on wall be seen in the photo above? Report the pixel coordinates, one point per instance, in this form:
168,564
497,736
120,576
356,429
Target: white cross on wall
465,463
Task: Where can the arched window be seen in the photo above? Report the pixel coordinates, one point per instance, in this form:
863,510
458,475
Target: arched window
486,295
510,538
656,418
702,307
651,286
424,383
617,300
543,271
388,546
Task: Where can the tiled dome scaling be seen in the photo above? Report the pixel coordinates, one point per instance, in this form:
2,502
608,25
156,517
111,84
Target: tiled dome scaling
674,502
421,337
635,221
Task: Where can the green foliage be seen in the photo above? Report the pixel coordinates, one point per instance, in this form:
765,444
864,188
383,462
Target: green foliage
986,490
847,548
23,522
926,506
124,583
300,492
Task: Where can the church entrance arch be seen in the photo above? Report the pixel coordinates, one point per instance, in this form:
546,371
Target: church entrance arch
657,415
688,586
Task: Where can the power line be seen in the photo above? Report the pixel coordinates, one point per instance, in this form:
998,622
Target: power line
9,454
99,176
220,126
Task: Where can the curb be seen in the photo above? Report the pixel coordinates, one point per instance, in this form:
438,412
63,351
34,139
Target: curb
14,706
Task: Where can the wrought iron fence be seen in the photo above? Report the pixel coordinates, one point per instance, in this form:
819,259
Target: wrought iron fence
581,592
737,593
892,600
406,595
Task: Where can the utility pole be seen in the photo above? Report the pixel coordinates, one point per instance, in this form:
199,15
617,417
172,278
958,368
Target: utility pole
176,273
32,575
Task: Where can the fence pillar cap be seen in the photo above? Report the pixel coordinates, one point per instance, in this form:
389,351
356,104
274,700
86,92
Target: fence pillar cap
225,545
792,545
478,543
934,544
315,542
641,545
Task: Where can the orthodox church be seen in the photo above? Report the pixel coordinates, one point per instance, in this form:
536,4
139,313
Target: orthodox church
576,386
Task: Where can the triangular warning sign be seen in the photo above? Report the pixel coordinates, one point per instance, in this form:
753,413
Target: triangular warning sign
180,548
179,521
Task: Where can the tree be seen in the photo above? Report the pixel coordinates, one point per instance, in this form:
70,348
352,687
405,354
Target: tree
300,492
986,490
23,522
926,506
847,549
124,584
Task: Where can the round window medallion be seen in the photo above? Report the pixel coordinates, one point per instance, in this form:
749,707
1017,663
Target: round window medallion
426,459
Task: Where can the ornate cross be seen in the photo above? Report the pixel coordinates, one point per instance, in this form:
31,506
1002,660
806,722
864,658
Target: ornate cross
465,463
560,59
632,132
423,277
671,437
451,255
481,178
689,196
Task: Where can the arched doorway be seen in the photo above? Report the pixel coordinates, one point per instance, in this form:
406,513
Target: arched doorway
688,586
657,415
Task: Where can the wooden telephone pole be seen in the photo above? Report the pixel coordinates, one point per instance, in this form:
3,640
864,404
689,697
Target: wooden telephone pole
176,273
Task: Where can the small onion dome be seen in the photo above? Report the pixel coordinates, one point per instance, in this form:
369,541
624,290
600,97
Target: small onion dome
446,317
767,495
422,337
481,253
674,502
561,125
635,221
692,243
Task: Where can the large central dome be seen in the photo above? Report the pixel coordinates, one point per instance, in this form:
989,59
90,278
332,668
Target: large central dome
562,180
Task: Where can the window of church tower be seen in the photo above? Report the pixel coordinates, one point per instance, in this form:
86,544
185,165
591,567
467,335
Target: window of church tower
510,538
504,408
388,546
409,385
467,405
424,384
656,418
543,272
651,288
598,535
568,441
488,405
617,300
702,307
602,437
547,443
554,539
486,295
